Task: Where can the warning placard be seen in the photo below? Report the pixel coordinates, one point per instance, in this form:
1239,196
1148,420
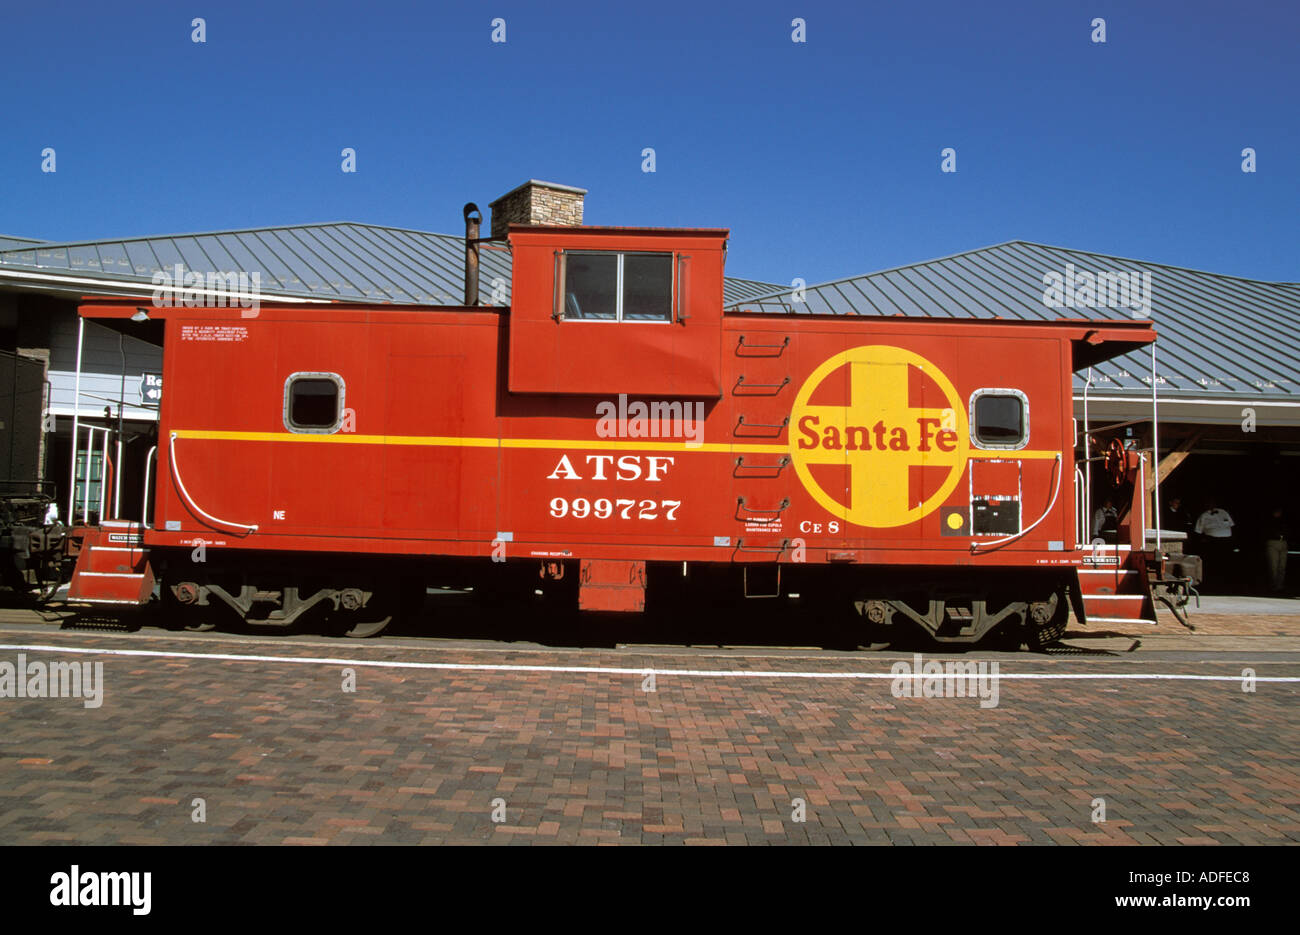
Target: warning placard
228,333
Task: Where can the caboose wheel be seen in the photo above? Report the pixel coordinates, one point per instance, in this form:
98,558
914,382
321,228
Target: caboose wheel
874,629
1046,621
363,622
191,617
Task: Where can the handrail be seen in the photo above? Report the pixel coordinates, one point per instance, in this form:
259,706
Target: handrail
782,463
90,457
1155,452
681,271
76,414
1087,455
741,547
1142,514
778,347
772,516
774,387
1082,522
189,501
779,426
1056,469
110,478
88,480
144,500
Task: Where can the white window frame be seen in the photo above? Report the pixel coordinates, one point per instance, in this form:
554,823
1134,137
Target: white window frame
973,427
618,318
292,426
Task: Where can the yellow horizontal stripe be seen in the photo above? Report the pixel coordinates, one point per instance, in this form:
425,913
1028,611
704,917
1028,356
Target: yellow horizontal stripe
465,441
457,441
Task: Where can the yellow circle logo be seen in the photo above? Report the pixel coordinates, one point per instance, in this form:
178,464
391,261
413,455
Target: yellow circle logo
886,441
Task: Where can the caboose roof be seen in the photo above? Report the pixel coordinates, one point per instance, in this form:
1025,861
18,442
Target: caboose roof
340,261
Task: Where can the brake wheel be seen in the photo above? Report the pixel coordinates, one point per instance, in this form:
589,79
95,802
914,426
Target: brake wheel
1116,462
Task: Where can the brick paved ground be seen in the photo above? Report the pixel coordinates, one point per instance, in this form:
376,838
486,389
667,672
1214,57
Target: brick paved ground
1226,624
281,754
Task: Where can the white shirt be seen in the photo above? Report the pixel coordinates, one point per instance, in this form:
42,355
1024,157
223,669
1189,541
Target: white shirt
1216,524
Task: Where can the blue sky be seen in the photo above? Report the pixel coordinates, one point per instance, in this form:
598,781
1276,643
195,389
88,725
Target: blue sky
823,157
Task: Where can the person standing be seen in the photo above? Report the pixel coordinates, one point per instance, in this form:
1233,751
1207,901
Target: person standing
1176,517
1214,526
1275,538
1105,522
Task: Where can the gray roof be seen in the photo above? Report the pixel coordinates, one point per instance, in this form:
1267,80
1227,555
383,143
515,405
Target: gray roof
1218,335
7,241
343,261
742,290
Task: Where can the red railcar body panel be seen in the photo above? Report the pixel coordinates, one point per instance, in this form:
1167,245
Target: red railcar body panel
828,439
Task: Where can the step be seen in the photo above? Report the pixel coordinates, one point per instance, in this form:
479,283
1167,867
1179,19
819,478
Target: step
111,574
91,587
101,558
1103,587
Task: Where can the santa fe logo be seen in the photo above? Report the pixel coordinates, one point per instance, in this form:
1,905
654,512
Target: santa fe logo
895,452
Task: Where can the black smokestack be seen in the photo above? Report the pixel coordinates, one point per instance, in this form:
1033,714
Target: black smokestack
473,218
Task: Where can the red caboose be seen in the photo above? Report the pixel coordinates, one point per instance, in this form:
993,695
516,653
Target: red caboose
610,426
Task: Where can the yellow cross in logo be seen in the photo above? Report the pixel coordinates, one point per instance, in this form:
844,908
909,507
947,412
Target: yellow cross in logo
879,436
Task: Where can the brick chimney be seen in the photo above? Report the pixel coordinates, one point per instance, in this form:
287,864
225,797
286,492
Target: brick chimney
537,202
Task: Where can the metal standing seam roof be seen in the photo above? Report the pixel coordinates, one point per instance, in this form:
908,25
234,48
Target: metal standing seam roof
341,261
7,242
1219,336
742,290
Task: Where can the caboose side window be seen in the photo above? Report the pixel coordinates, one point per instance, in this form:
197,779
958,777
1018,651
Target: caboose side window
607,286
999,418
313,402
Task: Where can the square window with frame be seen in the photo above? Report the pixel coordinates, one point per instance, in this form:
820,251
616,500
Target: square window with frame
313,403
608,286
999,419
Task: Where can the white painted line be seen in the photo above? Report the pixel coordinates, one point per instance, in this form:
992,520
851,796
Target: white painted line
622,670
